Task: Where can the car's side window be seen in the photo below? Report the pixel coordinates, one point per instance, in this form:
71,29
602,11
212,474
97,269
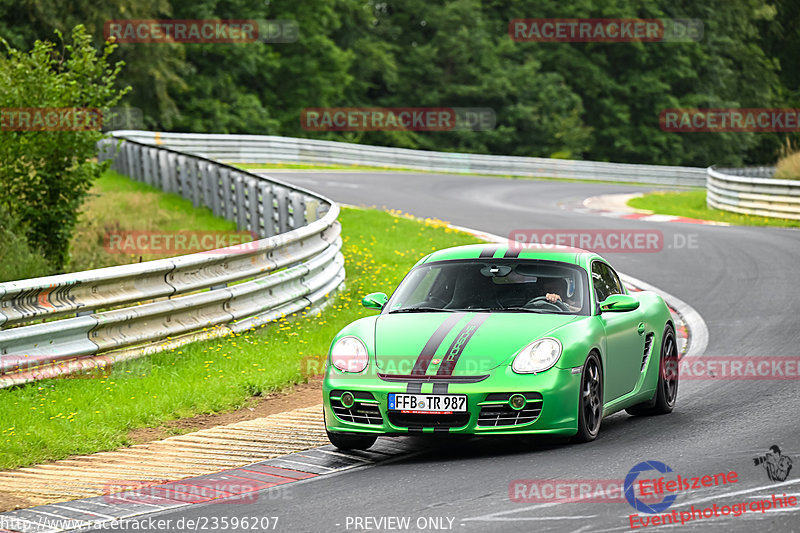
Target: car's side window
616,282
605,281
600,290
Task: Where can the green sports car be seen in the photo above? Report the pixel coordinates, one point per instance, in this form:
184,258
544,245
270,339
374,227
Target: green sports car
499,340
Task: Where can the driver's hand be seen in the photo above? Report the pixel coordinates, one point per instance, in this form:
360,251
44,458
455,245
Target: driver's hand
553,297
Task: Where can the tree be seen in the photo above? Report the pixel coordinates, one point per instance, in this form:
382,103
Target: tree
45,174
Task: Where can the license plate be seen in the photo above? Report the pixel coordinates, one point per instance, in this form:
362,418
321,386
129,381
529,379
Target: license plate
440,404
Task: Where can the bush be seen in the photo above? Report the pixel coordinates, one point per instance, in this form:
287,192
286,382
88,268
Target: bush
45,174
788,167
18,260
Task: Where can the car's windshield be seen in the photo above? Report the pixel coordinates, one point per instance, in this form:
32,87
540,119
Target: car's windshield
493,285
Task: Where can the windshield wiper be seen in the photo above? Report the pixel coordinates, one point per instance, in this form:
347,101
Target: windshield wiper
501,309
526,310
421,310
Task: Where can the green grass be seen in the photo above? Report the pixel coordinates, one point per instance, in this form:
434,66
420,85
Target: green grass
116,203
692,204
53,419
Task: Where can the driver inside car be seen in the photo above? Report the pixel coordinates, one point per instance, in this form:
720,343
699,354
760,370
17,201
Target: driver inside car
554,288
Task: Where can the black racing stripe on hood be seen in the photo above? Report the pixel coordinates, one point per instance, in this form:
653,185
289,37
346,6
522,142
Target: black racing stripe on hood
513,252
424,359
489,251
459,343
414,388
440,388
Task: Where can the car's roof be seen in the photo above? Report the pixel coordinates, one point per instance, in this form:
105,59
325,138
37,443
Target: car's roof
566,254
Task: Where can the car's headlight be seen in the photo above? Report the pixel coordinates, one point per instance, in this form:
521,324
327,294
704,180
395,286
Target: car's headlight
538,356
349,355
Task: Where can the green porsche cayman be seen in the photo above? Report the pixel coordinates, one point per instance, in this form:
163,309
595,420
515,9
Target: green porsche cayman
499,340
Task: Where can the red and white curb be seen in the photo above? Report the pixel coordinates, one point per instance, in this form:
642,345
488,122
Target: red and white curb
244,485
653,218
615,206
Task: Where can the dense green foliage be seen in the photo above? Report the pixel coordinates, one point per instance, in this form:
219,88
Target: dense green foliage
18,260
597,101
44,175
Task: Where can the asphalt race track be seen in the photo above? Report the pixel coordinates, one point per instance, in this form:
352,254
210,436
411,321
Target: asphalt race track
745,282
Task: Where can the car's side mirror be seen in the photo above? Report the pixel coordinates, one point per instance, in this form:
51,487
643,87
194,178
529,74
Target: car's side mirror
376,300
619,302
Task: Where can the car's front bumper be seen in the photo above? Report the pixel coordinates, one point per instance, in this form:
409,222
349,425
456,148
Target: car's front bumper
557,388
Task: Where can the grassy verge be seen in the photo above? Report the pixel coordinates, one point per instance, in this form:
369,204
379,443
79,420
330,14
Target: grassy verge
53,419
692,204
118,204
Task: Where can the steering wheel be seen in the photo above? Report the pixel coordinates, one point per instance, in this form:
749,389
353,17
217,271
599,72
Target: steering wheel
540,301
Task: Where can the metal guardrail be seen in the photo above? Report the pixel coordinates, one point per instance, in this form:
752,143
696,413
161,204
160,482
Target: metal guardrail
753,191
294,266
273,149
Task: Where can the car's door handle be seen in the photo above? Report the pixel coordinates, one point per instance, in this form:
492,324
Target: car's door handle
640,329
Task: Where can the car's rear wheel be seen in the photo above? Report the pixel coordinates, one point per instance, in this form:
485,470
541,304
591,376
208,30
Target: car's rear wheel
666,394
351,441
590,401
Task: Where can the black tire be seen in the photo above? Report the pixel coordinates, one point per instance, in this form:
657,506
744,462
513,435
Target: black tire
663,401
351,441
590,400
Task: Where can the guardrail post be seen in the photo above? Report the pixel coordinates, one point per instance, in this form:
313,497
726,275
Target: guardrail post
143,154
253,220
298,209
126,160
281,203
207,184
226,211
136,171
150,164
216,191
191,184
239,203
180,176
268,212
169,173
163,169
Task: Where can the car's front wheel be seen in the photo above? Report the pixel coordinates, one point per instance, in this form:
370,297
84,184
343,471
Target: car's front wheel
667,389
351,441
590,402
